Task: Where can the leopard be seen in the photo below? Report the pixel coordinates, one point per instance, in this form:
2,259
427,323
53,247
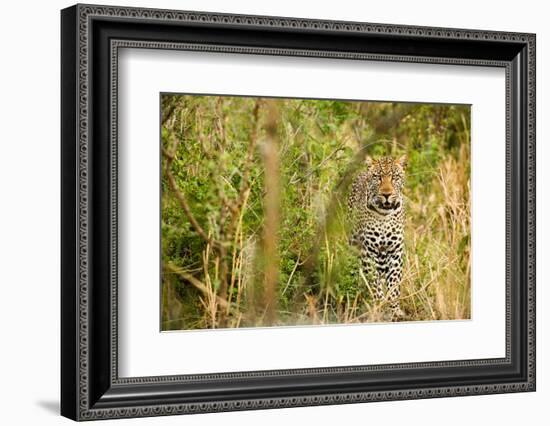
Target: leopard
377,212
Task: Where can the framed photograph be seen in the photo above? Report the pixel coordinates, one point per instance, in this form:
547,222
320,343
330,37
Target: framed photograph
263,212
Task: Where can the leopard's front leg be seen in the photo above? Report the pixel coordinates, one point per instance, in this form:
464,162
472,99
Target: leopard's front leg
394,274
372,275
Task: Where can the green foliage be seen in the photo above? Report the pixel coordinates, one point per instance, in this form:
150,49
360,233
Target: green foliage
215,149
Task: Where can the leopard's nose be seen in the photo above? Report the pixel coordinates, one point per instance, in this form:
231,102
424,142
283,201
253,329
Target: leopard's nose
386,196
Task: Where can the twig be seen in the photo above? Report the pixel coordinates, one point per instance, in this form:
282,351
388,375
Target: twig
195,282
170,155
291,274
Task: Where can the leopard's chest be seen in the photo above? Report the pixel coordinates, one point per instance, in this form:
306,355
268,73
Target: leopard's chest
380,236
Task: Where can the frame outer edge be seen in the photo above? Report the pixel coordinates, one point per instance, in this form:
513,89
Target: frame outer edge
80,207
531,200
83,84
68,153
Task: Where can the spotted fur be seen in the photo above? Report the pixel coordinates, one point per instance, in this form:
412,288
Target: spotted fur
377,212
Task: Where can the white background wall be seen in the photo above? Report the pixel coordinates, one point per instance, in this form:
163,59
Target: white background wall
29,211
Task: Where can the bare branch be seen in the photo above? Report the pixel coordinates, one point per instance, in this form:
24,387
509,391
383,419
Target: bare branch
170,155
195,282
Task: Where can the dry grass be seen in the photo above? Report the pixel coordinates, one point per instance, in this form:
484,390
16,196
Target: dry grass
436,282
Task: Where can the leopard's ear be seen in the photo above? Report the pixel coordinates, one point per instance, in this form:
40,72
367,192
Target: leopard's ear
402,161
368,161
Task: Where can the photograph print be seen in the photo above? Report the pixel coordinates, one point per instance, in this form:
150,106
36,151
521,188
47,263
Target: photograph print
299,212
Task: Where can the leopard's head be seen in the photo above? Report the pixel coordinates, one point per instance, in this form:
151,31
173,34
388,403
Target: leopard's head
385,179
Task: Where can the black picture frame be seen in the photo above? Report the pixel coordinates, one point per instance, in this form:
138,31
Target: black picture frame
90,386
